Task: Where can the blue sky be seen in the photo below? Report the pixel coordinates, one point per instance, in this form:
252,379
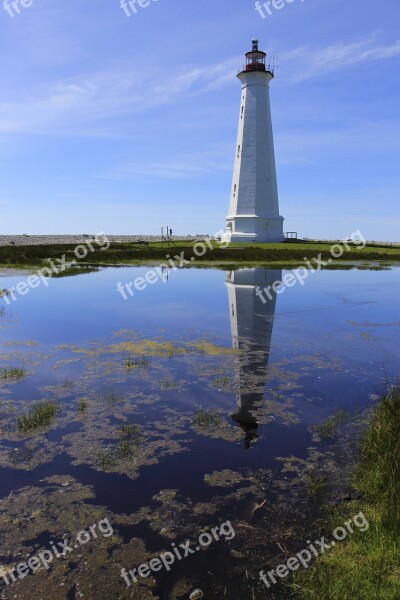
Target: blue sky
123,124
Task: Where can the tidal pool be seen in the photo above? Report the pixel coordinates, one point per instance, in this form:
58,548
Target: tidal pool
194,402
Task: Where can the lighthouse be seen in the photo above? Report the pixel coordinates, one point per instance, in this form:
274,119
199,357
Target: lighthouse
254,208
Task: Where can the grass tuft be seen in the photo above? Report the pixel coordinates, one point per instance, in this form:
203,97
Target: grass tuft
41,416
82,406
12,373
138,362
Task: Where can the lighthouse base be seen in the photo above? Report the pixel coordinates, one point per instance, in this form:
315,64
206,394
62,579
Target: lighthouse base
250,229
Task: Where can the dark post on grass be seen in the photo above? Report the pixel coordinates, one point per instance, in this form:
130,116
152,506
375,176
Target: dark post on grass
166,236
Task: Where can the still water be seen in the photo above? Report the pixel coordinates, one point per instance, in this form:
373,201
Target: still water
195,403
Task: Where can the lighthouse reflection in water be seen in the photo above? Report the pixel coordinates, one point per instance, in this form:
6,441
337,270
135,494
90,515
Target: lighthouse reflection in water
252,320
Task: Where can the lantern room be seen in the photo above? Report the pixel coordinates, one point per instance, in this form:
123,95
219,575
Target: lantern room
255,59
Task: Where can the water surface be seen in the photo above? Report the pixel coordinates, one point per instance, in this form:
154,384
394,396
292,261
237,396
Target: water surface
189,404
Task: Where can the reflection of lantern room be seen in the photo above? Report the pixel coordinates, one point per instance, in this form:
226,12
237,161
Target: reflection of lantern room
255,60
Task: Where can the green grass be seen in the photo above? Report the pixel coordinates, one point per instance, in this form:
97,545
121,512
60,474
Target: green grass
366,566
285,254
378,475
12,373
41,416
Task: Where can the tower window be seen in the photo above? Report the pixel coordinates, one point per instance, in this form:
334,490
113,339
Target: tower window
241,116
238,154
234,190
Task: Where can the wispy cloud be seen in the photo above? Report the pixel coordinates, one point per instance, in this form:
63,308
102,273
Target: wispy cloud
306,63
71,106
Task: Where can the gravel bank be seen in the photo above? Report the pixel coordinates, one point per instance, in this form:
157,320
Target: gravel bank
39,240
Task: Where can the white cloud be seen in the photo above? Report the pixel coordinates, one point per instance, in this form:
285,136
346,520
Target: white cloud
85,105
306,63
70,106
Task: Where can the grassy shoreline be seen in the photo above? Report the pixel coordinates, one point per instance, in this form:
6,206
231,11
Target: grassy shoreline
366,566
267,255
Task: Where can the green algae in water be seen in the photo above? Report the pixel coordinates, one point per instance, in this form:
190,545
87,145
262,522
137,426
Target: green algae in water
126,448
328,429
206,418
225,478
168,384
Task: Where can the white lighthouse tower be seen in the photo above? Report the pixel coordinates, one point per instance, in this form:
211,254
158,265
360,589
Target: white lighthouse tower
254,210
